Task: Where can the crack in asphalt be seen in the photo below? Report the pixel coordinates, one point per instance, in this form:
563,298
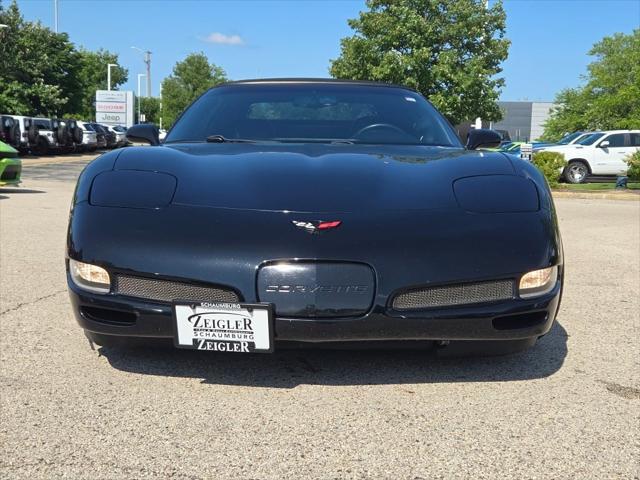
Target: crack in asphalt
630,393
31,302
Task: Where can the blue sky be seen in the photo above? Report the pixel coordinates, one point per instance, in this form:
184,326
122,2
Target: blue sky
264,38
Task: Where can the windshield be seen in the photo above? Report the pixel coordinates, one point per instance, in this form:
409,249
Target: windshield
314,112
590,139
43,123
566,140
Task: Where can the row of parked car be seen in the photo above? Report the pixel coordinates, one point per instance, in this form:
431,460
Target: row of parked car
44,136
588,154
569,139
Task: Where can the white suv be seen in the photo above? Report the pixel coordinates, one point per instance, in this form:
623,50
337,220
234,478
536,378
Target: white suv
25,141
121,135
47,140
89,137
599,154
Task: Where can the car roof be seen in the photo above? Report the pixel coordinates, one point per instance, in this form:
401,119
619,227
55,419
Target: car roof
337,81
617,131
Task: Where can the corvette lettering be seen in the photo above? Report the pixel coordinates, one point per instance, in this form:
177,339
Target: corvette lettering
360,289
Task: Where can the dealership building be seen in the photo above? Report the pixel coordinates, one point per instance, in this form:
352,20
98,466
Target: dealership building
523,120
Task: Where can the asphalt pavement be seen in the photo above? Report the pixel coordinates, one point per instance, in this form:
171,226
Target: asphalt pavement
567,408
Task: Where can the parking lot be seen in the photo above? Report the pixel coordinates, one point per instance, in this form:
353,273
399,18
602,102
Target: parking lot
567,408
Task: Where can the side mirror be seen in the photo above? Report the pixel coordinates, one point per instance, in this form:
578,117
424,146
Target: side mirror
604,144
143,133
483,138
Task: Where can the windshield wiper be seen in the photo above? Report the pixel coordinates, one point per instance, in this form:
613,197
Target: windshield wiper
221,139
348,141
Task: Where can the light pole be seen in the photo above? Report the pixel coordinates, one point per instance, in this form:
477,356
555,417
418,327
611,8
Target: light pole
140,75
109,65
55,15
147,61
160,107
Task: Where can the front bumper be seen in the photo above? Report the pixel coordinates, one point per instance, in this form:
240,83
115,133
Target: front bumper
515,319
10,171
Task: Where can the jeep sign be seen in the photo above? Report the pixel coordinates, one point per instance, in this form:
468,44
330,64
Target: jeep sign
114,107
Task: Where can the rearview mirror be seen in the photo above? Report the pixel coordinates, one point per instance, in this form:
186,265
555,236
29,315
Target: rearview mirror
143,133
604,144
483,138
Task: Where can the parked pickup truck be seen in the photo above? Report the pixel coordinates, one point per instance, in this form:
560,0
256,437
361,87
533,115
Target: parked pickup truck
599,154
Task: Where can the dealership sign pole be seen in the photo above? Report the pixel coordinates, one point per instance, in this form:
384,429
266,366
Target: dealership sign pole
109,65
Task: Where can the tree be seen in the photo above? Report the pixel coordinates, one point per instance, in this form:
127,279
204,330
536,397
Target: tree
42,72
610,96
38,68
93,76
448,50
191,77
150,107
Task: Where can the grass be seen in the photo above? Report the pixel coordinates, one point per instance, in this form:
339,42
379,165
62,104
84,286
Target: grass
596,187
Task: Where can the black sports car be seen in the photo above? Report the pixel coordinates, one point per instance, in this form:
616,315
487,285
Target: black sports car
313,211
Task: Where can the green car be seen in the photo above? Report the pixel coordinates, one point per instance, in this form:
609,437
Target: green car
10,165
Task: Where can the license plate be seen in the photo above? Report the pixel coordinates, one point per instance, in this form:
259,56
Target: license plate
223,327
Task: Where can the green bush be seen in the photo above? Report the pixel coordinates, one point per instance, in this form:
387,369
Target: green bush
633,161
550,164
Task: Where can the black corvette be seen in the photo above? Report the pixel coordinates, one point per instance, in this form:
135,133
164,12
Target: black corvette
313,212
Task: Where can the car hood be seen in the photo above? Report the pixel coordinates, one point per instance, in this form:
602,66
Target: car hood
226,212
314,178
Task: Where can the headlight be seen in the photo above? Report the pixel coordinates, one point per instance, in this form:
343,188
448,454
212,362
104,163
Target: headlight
90,277
538,282
496,194
133,189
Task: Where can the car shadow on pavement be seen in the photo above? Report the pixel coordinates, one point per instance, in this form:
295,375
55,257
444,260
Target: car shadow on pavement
290,368
18,190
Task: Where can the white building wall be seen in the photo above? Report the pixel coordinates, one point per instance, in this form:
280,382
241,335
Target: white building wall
539,114
517,120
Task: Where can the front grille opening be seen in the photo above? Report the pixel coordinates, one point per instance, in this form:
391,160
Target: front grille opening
454,295
523,320
170,291
108,316
10,173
